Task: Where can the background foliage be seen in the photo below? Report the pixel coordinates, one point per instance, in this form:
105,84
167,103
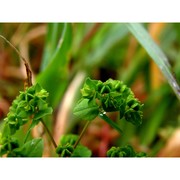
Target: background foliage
62,55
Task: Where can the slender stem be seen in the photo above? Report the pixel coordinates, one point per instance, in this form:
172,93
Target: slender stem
110,122
82,133
49,133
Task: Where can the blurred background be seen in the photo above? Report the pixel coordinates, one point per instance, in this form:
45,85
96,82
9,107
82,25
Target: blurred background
62,55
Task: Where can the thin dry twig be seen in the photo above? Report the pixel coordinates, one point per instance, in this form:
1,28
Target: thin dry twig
28,80
24,45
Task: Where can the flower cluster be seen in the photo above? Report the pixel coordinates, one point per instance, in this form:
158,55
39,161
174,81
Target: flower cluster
126,151
109,96
66,147
30,104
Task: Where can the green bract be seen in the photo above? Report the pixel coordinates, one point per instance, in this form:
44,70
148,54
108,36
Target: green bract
66,147
113,95
31,104
126,151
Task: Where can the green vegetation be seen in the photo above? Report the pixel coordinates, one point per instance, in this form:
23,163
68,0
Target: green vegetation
95,90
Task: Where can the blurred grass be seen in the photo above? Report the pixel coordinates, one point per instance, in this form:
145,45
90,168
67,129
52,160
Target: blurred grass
101,51
54,77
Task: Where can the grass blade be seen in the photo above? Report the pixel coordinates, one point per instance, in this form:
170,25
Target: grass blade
155,53
55,77
54,31
114,34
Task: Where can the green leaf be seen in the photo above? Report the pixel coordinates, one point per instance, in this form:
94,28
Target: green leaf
32,148
81,151
86,109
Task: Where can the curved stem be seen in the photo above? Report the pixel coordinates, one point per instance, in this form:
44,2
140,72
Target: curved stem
28,70
110,122
49,133
82,133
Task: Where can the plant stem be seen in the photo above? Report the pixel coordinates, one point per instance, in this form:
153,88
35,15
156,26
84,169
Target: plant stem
82,133
49,133
110,122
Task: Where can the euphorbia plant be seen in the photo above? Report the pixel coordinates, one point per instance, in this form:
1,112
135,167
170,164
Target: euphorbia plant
29,106
98,98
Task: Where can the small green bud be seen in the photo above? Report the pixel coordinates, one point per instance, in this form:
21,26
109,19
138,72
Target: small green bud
117,86
65,150
87,92
105,89
99,86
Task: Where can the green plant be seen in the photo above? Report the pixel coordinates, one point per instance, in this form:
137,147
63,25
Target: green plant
97,99
29,107
67,147
72,52
126,151
100,97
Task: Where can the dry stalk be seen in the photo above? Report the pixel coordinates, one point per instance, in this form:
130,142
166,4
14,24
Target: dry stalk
64,109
